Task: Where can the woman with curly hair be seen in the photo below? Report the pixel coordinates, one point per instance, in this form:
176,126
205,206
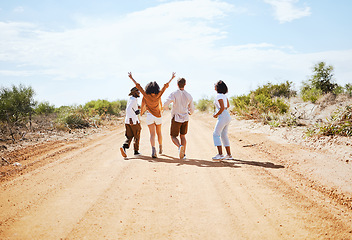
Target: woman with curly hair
220,132
151,103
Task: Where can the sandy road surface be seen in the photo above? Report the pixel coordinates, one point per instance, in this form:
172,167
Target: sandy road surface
93,193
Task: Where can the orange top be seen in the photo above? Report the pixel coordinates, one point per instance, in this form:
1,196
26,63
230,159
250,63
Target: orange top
152,102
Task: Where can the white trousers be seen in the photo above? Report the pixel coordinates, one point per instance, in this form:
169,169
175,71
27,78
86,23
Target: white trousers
221,129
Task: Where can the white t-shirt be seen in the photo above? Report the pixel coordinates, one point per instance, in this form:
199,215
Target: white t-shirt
182,105
132,106
224,99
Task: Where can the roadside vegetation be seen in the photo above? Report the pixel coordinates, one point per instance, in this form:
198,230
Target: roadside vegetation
205,104
267,103
270,103
339,123
21,114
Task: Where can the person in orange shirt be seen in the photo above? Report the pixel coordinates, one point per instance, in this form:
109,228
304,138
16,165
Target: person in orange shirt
151,103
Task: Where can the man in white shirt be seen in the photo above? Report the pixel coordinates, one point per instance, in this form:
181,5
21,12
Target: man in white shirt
132,123
182,107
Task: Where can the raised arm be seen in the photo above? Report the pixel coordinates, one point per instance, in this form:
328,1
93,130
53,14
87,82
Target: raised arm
166,85
173,76
130,76
138,86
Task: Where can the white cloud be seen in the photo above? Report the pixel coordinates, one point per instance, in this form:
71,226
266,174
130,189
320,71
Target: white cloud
92,61
286,11
142,39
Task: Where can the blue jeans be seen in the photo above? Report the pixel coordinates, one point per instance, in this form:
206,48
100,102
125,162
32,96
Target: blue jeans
221,129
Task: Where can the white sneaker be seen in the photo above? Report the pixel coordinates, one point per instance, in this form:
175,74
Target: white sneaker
218,157
181,151
229,157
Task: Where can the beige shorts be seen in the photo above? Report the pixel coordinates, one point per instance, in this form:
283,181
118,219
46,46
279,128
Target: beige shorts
151,119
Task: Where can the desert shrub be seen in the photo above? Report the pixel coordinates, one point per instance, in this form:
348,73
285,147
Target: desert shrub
339,123
16,103
99,107
76,120
348,89
338,90
205,104
91,114
310,94
264,102
104,107
123,104
242,106
276,90
117,107
280,120
72,117
44,108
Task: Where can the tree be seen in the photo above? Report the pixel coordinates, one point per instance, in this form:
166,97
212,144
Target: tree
16,106
323,78
16,103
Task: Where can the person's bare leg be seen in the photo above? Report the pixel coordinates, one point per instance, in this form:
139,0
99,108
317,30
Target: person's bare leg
219,149
160,138
183,141
158,132
175,141
228,150
152,131
152,134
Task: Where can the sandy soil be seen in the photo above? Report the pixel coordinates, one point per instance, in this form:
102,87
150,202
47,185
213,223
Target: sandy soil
274,189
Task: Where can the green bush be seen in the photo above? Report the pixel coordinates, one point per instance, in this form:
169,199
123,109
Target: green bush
44,108
123,104
76,120
99,107
73,117
104,107
241,105
348,89
205,104
276,90
16,103
91,114
263,102
310,94
340,123
338,90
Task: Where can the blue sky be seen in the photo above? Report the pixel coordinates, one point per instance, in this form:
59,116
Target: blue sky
74,51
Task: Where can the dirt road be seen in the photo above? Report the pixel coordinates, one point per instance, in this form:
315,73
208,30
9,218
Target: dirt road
91,192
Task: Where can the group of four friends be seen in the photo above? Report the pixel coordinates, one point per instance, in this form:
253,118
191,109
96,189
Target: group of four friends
182,108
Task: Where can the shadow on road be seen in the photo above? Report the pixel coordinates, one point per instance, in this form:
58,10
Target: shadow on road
236,163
